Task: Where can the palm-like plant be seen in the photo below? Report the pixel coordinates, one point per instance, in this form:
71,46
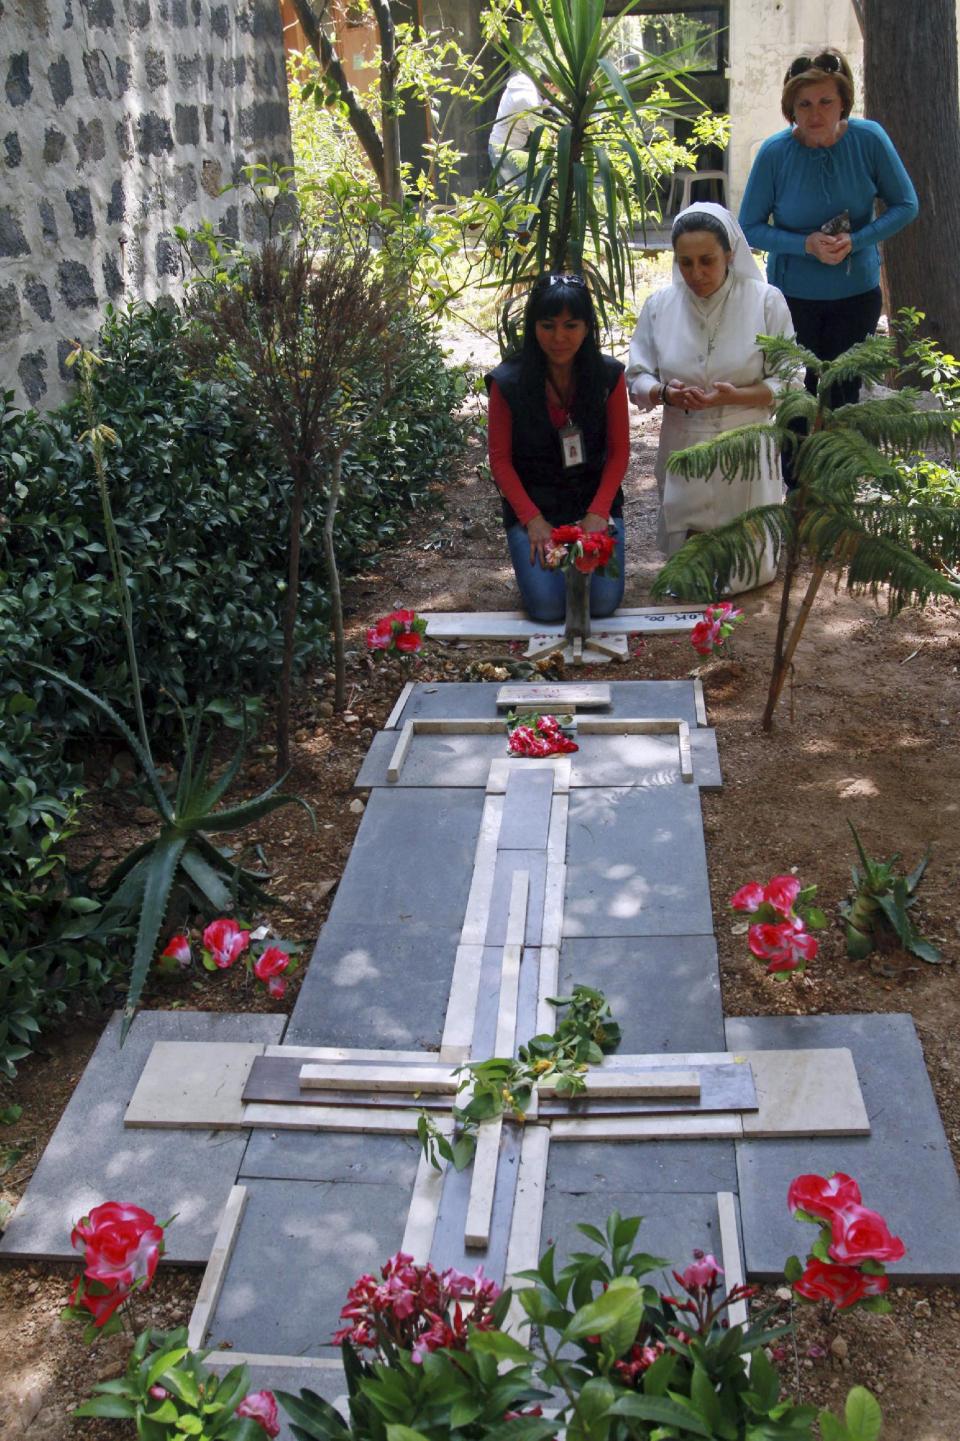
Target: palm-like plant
843,514
591,159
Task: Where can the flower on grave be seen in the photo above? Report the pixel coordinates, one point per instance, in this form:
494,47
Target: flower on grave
269,967
585,550
638,1360
537,735
719,620
700,1282
175,954
122,1245
779,933
702,1274
223,944
261,1406
845,1264
416,1308
401,631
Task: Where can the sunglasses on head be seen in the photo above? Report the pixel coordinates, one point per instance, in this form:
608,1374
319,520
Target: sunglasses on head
825,61
565,280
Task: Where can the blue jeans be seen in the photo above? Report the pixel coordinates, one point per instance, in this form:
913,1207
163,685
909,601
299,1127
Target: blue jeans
544,592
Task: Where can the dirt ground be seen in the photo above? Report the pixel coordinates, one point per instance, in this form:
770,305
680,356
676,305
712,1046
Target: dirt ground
867,732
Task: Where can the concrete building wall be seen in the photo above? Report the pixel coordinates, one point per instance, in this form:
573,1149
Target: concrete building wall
120,119
765,35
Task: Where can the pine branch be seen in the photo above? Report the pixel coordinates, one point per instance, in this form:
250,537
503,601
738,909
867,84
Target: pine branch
871,360
704,567
895,423
735,454
786,356
839,537
831,465
931,531
795,405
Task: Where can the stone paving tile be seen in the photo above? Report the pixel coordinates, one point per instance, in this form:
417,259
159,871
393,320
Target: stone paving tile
508,863
636,864
663,992
652,1167
904,1167
344,1157
526,811
300,1247
92,1157
670,1231
377,984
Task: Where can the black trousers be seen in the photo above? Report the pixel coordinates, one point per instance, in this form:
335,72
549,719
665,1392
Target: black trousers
828,328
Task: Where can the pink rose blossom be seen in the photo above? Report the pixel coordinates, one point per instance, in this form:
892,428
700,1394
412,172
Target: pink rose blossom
121,1244
225,942
781,893
276,987
271,961
408,641
822,1196
748,898
177,949
785,947
261,1406
858,1234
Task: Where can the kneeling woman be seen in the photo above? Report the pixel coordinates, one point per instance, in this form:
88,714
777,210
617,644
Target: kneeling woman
558,439
695,352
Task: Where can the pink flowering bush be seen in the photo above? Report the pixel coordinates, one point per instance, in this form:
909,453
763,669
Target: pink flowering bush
845,1266
401,631
417,1309
121,1245
782,914
719,620
537,735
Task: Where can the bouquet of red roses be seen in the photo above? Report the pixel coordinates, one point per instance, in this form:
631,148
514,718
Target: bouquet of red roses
537,735
401,631
586,550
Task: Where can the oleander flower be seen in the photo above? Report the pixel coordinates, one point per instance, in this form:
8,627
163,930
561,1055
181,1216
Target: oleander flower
261,1406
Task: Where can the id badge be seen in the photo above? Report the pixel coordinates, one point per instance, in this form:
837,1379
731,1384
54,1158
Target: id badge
571,441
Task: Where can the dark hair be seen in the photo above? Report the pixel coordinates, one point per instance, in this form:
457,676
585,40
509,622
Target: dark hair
827,64
693,220
550,295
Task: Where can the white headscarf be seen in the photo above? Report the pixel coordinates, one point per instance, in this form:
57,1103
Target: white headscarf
743,263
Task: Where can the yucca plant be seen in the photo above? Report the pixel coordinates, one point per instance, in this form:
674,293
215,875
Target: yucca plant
844,514
593,160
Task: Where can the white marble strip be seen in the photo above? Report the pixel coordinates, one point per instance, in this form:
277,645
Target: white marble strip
369,1120
553,891
686,762
699,702
216,1268
547,983
483,1182
226,1360
325,1076
647,1128
656,1084
517,910
560,696
393,718
451,725
501,625
628,725
424,1209
557,834
400,750
730,1255
461,1005
344,1053
477,915
501,767
523,1246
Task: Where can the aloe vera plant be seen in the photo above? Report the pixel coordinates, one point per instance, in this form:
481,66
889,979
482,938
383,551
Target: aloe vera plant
881,898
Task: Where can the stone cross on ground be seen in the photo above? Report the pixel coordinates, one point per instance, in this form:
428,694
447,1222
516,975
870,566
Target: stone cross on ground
575,637
418,964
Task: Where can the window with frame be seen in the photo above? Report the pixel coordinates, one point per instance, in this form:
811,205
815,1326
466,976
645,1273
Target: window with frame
692,37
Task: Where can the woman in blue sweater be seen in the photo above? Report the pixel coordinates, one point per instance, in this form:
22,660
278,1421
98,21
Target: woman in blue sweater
809,202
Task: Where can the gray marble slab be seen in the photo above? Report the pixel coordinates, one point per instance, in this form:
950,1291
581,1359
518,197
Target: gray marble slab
488,997
301,1245
92,1158
478,699
636,864
904,1167
314,1156
412,859
653,1167
382,983
448,1248
507,864
663,992
526,811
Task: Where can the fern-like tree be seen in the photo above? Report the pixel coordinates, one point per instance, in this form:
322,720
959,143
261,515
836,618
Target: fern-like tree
311,327
847,512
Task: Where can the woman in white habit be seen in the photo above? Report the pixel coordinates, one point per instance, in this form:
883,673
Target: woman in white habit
695,352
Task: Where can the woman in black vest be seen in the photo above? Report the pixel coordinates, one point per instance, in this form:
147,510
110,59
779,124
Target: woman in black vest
558,439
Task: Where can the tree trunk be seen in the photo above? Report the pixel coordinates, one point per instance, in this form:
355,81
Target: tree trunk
391,188
785,661
910,69
333,576
289,625
359,118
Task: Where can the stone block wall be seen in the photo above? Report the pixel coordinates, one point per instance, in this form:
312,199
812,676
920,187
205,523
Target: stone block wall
120,119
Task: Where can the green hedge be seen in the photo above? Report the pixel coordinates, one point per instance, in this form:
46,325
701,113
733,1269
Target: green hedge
199,498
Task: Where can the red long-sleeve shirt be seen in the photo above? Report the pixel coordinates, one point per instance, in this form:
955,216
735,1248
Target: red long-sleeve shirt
500,451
